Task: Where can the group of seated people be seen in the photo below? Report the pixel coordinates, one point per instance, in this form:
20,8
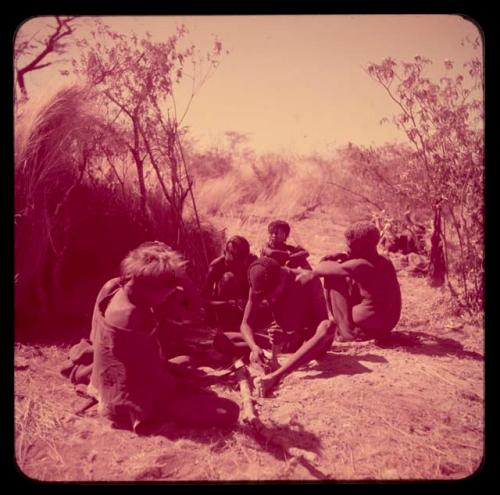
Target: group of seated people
273,301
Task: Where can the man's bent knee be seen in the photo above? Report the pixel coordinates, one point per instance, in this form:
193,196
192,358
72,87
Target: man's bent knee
326,330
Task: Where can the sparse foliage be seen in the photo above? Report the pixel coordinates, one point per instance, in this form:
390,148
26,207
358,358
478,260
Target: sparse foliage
32,54
443,123
80,146
136,80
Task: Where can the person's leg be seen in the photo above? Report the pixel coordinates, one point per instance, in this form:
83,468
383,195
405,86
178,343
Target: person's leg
371,324
81,374
308,350
228,318
339,296
183,366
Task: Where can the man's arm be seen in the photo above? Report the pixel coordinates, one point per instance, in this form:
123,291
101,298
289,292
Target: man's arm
332,269
257,353
300,253
323,269
338,256
246,329
208,287
267,251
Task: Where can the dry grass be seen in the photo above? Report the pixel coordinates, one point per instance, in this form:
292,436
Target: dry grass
278,186
411,411
74,218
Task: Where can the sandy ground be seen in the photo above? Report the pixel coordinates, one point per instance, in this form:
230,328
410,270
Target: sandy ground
411,410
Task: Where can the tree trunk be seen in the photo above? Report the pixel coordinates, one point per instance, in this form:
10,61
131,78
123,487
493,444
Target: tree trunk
139,164
22,86
437,265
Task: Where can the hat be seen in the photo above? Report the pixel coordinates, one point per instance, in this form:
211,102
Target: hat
263,275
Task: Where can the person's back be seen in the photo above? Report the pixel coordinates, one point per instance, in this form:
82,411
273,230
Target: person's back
379,291
363,291
128,369
129,376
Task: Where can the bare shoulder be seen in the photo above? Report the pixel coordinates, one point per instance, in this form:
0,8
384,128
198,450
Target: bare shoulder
121,313
110,286
266,249
356,263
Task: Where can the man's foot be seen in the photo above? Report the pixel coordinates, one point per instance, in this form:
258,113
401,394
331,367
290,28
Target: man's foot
355,335
264,385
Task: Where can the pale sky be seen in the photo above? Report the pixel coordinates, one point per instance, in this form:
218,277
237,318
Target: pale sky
296,83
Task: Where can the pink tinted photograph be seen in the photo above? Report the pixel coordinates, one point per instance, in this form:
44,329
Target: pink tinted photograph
249,248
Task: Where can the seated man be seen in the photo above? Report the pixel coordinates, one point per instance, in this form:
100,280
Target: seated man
226,287
284,254
363,292
129,376
300,311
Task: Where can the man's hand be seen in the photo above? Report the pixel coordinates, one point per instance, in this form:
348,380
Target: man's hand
339,257
275,334
304,276
257,356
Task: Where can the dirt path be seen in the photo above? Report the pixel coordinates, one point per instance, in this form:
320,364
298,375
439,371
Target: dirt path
413,410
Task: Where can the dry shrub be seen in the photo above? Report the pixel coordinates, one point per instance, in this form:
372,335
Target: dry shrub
273,185
74,221
226,194
49,151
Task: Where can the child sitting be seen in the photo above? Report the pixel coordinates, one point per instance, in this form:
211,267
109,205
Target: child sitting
285,254
226,287
129,375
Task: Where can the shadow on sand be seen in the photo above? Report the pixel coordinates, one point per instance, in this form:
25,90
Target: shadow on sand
280,440
285,441
334,364
428,344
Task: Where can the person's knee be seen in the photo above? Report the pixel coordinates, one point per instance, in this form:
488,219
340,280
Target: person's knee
230,344
337,287
223,412
326,330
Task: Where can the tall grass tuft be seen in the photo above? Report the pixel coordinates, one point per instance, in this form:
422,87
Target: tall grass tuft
275,185
75,217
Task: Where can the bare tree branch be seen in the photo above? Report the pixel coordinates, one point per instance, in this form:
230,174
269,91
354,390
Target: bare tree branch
356,194
49,45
